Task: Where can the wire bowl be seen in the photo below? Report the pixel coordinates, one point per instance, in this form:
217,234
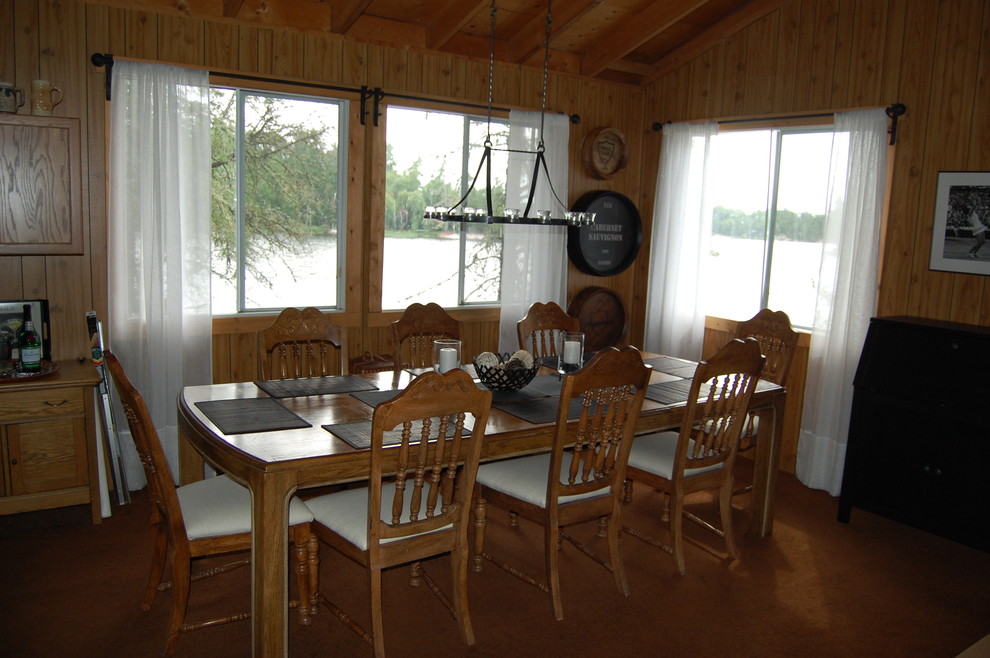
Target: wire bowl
499,378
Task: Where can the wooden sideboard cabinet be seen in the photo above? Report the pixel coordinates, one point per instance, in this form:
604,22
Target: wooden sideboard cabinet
48,441
40,185
919,433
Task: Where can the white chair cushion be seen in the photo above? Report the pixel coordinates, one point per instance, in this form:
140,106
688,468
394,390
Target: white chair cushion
216,507
654,453
346,513
525,478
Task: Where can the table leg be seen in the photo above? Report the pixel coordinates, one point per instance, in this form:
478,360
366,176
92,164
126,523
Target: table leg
765,467
270,588
190,461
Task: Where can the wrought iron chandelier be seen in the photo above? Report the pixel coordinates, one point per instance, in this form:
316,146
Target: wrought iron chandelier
461,213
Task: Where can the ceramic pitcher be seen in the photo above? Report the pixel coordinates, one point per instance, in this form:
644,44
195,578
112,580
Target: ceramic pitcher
44,96
11,97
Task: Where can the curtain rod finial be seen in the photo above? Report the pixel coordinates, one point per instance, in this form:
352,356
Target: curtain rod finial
101,59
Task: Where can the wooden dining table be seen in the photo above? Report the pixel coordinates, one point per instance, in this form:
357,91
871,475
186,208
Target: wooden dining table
275,463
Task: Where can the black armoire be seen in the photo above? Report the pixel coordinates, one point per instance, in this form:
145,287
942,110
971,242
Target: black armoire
919,436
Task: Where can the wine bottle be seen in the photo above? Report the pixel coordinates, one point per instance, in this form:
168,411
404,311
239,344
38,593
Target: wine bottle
30,344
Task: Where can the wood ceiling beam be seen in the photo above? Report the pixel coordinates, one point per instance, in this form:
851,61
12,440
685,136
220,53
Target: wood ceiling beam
231,7
634,31
450,20
718,32
344,13
529,40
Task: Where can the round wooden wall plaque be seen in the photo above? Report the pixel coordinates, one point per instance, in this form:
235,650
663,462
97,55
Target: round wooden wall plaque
602,317
604,152
610,245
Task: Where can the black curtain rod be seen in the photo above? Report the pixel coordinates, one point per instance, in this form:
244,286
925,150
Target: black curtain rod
894,111
106,59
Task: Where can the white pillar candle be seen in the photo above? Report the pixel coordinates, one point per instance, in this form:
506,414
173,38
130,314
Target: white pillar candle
572,352
448,359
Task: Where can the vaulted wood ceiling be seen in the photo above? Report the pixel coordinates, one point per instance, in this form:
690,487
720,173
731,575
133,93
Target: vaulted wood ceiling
633,41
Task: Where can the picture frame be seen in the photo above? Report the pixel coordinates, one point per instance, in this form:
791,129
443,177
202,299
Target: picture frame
12,314
961,223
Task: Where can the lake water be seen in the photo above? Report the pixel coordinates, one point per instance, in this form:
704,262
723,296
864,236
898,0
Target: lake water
415,269
425,269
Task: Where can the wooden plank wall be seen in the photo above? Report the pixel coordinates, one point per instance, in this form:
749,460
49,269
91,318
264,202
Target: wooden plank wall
54,40
815,55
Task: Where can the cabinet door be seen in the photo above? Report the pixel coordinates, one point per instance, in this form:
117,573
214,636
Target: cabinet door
40,186
46,455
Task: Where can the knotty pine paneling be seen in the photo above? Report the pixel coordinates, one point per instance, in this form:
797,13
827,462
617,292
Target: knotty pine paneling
51,39
850,53
809,55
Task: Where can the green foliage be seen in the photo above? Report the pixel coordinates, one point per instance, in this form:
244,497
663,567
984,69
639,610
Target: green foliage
803,227
290,179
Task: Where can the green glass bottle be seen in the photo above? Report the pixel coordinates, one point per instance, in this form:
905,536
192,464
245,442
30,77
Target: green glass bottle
30,344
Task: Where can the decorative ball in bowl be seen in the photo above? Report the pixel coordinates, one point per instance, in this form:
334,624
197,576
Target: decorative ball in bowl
506,372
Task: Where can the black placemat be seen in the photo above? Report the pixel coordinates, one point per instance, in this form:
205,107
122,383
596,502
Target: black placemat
540,410
374,398
291,388
250,415
672,366
672,392
358,435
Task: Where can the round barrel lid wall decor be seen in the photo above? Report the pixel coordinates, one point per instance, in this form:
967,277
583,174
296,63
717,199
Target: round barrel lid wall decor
604,152
610,245
602,317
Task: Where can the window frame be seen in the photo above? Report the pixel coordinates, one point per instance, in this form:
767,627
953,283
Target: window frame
779,129
345,184
469,166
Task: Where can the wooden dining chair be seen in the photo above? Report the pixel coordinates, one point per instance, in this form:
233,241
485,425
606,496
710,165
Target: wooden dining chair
778,342
413,335
539,328
302,343
700,456
206,518
418,501
581,478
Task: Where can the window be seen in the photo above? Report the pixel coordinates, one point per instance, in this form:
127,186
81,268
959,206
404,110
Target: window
767,192
428,260
278,200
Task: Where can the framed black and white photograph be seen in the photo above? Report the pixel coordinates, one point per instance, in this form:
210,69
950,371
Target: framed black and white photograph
12,315
962,223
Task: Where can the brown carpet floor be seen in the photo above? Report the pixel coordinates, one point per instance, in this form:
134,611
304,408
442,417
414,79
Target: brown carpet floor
815,587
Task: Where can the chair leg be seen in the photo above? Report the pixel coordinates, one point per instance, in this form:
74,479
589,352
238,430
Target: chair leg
480,520
458,576
676,529
313,553
377,627
725,511
159,556
415,575
553,538
614,528
299,553
627,491
181,565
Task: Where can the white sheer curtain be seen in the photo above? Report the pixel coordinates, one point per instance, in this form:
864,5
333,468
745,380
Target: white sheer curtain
534,259
846,293
682,219
159,321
